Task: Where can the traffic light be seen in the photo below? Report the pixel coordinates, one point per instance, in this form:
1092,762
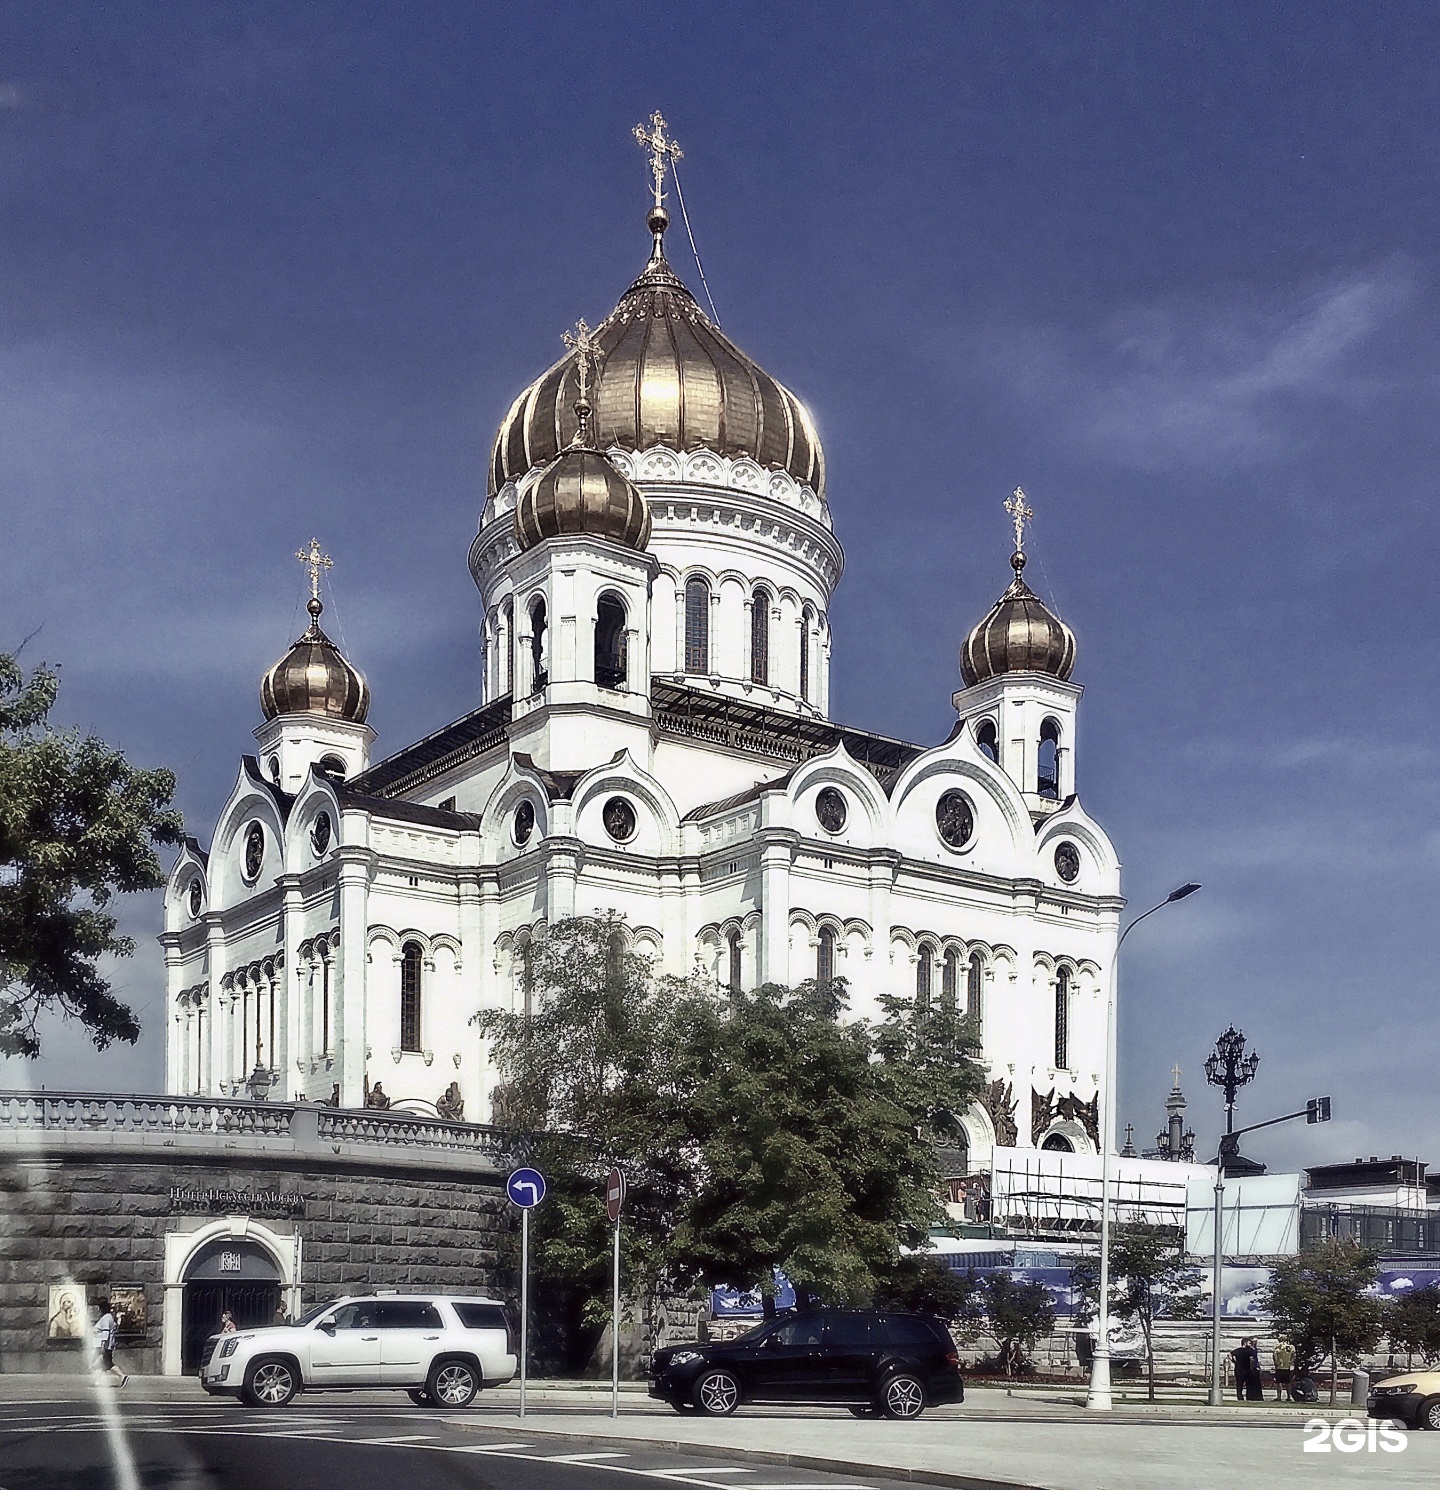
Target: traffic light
1317,1110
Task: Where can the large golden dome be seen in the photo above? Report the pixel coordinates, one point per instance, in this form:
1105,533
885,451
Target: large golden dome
1020,635
666,376
313,677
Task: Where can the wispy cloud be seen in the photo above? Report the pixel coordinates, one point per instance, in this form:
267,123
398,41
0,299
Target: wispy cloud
1191,383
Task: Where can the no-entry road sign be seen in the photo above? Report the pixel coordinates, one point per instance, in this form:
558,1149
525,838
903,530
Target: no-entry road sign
614,1194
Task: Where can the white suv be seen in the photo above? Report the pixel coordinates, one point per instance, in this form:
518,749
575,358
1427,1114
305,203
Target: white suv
439,1348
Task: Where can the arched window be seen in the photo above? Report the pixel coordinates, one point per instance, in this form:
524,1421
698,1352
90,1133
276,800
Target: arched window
1057,1143
825,955
507,642
760,637
410,960
610,641
332,765
950,981
974,991
697,626
988,739
1062,1019
324,1002
538,674
734,946
1049,760
806,620
924,974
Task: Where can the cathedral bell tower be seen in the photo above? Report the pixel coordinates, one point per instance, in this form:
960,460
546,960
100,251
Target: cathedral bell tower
1018,699
314,702
581,585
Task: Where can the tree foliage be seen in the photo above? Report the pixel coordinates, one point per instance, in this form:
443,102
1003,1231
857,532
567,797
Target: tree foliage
1017,1314
78,826
1413,1324
763,1131
1150,1279
922,1284
1320,1303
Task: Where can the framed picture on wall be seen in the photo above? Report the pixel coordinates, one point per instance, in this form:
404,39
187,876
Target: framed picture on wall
127,1304
66,1312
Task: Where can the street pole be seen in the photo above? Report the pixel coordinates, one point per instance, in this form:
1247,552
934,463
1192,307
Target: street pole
1217,1398
524,1301
615,1332
1098,1398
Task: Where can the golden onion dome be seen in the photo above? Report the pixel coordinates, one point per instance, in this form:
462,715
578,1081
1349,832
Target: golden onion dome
668,376
1020,635
582,492
313,677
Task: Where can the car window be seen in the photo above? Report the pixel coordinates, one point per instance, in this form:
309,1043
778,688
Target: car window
359,1316
481,1316
908,1331
315,1312
409,1314
851,1329
801,1330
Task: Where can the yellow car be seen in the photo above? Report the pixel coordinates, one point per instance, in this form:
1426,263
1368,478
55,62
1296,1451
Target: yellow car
1411,1397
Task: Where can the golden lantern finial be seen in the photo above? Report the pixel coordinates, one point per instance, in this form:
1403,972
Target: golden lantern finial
1020,514
663,152
316,562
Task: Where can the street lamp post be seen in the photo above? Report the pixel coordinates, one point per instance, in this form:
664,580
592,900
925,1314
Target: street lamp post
1098,1396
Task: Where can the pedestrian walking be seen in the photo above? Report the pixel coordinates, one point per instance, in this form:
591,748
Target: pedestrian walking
105,1332
227,1322
1284,1358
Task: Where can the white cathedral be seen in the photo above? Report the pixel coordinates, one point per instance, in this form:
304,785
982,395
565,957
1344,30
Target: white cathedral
655,563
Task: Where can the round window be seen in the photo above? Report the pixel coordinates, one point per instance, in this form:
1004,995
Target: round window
195,898
955,819
320,833
524,824
619,819
254,852
1067,863
830,810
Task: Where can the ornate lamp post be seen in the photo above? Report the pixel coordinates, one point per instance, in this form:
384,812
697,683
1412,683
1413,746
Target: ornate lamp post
1230,1068
1098,1396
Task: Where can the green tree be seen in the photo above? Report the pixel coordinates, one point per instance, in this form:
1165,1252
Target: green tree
1413,1324
923,1284
815,1138
78,825
1150,1279
1018,1314
1320,1304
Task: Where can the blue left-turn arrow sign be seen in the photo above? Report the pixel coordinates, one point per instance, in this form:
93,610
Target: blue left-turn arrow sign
526,1188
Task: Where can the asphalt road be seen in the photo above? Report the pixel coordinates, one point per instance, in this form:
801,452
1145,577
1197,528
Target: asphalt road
127,1444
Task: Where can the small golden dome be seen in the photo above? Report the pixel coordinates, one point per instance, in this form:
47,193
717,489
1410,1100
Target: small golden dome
582,492
666,376
314,678
1020,635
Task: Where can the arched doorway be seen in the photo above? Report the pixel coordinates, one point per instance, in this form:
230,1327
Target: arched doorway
240,1276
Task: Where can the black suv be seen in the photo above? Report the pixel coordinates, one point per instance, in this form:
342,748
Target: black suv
870,1362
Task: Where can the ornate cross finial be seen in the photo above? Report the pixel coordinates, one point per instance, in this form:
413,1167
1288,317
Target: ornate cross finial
316,562
1175,1072
1020,513
663,152
582,342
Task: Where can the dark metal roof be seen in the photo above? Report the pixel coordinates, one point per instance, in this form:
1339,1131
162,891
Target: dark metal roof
447,748
283,800
739,799
559,785
1394,1170
407,812
758,730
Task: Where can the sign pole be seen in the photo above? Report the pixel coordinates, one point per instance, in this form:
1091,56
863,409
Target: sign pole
524,1301
1217,1395
615,1331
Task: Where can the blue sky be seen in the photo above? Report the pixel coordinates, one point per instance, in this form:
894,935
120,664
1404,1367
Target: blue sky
269,270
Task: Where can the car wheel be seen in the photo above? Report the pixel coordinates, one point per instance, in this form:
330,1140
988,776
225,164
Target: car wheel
862,1410
419,1396
270,1383
717,1393
452,1384
902,1396
1429,1415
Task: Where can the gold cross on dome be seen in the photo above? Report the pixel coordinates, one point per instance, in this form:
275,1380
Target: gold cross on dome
582,342
663,152
1020,513
315,562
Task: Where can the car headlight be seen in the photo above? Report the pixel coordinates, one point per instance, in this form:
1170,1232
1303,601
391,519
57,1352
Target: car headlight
229,1348
684,1357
